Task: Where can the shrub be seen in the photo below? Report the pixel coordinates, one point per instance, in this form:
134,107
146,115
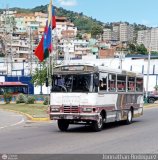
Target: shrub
30,100
21,98
7,98
46,101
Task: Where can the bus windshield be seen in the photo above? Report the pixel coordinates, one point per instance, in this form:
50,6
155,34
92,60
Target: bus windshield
72,83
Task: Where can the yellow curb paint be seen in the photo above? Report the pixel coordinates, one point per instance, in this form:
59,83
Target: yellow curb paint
40,119
151,106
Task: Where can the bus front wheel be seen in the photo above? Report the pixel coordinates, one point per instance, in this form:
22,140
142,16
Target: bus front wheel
63,124
98,125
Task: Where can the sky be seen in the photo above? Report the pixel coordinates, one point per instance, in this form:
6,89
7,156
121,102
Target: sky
138,11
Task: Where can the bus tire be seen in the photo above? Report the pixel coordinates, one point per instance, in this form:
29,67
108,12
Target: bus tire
129,117
63,124
98,125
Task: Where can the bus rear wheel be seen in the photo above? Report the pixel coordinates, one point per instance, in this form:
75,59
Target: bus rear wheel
98,125
63,124
129,117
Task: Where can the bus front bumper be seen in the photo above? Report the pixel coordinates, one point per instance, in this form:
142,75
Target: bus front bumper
74,116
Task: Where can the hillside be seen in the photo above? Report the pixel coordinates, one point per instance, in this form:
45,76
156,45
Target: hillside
83,22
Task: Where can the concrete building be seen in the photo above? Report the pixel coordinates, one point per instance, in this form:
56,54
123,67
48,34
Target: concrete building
41,18
75,48
115,33
20,23
120,32
126,32
19,47
123,32
144,37
154,39
107,34
64,28
130,33
149,38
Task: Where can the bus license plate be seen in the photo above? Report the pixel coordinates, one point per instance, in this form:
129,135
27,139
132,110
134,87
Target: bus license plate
69,117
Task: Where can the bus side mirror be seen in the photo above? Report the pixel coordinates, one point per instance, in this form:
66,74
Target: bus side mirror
47,84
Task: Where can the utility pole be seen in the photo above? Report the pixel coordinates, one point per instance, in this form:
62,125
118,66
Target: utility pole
66,50
5,37
30,49
11,39
148,69
121,57
148,72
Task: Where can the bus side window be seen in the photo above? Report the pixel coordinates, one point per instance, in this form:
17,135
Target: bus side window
103,84
139,84
112,82
121,83
131,84
103,81
96,83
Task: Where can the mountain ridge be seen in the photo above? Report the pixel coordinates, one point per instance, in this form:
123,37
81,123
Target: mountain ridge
84,23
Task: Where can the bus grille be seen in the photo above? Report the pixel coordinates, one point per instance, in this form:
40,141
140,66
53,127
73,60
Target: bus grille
71,109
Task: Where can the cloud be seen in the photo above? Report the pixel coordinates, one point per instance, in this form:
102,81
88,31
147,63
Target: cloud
68,3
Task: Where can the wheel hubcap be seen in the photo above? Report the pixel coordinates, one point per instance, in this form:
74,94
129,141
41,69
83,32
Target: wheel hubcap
100,121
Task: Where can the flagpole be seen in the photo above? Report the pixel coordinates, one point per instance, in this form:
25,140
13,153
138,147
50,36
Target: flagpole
51,55
50,61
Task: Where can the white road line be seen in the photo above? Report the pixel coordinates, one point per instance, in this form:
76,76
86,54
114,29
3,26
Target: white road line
18,123
3,127
15,124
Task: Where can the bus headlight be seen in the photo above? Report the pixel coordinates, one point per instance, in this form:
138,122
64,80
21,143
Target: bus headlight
55,109
87,109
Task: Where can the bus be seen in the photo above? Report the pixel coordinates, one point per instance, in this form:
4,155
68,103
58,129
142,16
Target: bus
94,95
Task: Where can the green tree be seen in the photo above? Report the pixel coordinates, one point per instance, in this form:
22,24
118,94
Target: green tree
39,75
132,48
79,36
96,30
154,52
141,49
7,97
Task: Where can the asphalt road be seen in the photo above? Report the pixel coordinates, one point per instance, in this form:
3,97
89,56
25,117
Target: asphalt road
139,137
14,120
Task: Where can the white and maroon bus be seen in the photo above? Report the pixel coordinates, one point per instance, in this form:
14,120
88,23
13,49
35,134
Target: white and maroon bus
94,95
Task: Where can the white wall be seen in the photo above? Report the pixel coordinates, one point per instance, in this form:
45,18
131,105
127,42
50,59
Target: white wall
112,63
45,90
2,79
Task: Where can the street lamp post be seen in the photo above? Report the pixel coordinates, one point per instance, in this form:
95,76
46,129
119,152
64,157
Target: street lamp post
148,70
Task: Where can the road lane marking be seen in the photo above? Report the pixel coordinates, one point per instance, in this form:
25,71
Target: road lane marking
18,123
15,124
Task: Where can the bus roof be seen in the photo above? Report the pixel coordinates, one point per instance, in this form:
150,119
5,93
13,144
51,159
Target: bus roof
93,68
11,84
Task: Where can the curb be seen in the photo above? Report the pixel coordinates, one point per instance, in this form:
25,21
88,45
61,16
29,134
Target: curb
151,106
40,119
29,117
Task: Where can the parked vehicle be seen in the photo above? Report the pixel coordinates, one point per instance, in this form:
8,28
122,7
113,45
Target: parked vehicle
152,97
